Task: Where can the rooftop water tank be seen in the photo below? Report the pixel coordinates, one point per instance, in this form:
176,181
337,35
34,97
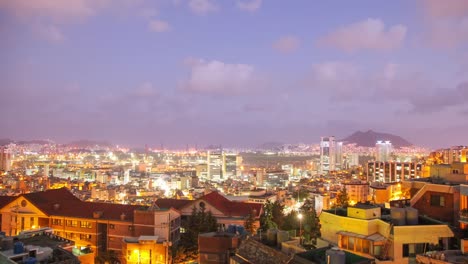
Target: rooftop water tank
18,247
30,260
398,216
412,216
335,256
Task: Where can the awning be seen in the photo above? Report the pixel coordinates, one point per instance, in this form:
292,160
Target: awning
376,237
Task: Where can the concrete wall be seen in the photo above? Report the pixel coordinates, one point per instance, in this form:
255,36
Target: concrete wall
371,213
331,224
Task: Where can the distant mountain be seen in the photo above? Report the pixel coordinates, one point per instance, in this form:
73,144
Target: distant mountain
34,141
89,143
5,141
369,138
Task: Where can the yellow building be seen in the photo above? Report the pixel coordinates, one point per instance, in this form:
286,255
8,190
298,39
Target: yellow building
362,231
145,250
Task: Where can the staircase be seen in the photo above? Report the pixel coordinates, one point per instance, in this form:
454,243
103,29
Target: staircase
388,243
418,195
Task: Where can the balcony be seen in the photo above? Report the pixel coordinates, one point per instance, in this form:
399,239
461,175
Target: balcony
464,216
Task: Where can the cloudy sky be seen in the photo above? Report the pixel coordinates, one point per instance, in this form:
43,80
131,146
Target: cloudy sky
233,72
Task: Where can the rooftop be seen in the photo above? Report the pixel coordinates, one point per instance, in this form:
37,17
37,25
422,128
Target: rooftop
319,256
41,244
61,202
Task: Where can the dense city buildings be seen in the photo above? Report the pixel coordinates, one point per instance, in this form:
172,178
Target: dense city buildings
136,204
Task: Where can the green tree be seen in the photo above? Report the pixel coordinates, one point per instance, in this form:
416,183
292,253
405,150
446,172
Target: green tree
311,226
278,213
198,222
342,198
291,221
266,219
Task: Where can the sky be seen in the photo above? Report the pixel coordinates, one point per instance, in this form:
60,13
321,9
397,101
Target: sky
233,72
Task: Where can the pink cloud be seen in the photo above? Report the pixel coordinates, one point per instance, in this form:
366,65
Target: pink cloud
217,77
158,26
446,22
250,5
53,9
369,34
287,44
445,9
202,7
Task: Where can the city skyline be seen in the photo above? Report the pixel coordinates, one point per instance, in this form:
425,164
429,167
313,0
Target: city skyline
233,73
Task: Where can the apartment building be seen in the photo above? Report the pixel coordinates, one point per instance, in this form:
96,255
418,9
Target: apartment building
101,226
394,237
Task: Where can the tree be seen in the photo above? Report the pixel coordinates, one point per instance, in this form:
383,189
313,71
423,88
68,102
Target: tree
278,213
249,223
198,222
266,219
291,221
342,198
311,226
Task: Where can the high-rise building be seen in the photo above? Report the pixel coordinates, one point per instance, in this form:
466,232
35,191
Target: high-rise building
5,159
229,165
383,150
222,165
393,171
215,164
327,154
338,155
454,154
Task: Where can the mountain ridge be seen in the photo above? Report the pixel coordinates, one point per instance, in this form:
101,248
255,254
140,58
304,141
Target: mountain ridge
370,137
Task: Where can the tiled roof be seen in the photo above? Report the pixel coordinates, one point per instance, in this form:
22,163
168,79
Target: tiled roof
226,206
61,202
4,200
231,208
166,203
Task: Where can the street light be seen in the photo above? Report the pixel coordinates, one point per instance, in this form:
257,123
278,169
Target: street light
300,228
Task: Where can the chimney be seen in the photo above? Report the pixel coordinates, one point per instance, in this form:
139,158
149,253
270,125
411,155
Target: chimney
56,207
122,217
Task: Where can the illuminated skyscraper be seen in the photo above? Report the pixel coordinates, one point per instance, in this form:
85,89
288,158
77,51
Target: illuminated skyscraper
331,154
5,159
338,155
215,164
229,165
327,154
383,150
222,165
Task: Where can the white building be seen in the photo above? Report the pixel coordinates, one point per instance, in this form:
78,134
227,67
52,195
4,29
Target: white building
331,155
383,150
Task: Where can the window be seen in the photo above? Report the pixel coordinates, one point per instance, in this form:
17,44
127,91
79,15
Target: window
31,221
56,221
437,200
85,224
72,223
85,237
